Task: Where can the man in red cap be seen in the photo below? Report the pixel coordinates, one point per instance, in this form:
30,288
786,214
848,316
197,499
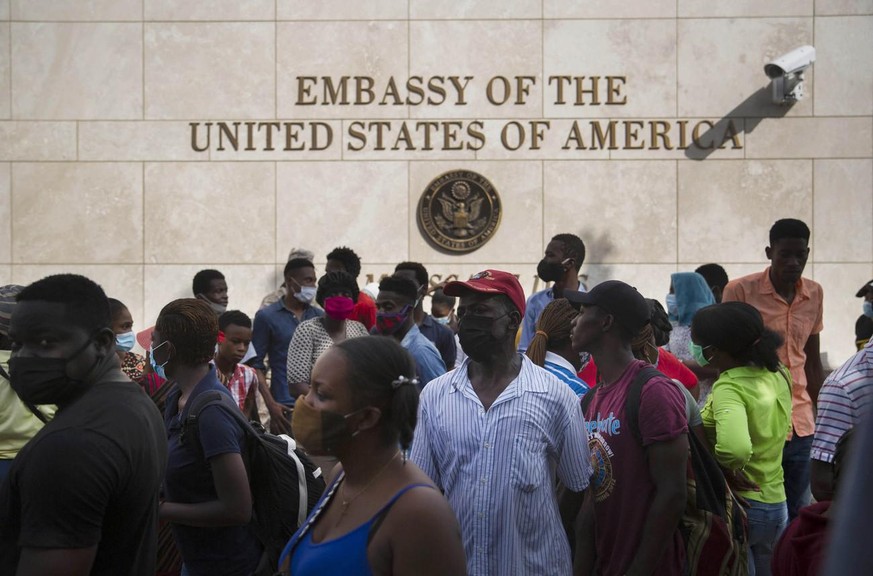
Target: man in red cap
494,433
639,489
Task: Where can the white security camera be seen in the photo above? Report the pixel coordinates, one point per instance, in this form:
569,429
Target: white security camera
786,73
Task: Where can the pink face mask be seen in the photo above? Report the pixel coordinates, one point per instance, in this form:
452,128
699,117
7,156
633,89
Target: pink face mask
339,307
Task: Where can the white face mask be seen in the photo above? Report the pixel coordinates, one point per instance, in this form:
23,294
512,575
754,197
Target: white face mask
868,308
306,294
444,320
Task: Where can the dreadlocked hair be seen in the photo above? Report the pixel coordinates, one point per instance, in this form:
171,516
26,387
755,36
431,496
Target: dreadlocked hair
553,330
642,346
192,328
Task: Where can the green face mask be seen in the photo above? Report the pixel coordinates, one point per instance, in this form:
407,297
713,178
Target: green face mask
697,353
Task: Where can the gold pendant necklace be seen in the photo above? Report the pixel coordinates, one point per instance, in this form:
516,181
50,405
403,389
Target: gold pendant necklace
346,502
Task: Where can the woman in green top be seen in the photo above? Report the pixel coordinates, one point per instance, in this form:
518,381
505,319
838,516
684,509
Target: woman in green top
747,418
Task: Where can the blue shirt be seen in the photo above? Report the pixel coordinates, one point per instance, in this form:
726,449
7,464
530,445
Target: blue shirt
497,467
558,367
271,334
428,362
532,310
228,550
442,337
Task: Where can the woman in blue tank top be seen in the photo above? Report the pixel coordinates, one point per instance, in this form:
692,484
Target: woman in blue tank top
380,514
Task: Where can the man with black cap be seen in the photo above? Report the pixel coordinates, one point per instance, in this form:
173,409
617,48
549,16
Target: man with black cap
864,323
493,435
639,489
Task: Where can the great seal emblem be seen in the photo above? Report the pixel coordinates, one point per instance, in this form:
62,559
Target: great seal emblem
459,211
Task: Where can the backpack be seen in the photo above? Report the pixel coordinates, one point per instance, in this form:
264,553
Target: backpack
713,526
285,484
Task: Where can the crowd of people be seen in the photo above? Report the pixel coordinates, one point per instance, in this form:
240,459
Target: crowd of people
496,435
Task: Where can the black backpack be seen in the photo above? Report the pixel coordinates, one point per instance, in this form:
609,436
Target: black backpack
713,526
285,484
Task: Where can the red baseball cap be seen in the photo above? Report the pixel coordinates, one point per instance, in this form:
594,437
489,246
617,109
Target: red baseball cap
489,282
144,337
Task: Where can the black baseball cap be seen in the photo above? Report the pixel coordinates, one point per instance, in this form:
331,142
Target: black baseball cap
621,300
864,289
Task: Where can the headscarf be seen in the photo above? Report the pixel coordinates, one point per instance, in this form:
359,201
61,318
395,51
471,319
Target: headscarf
692,293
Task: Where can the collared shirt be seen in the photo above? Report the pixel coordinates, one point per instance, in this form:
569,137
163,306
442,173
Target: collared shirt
427,358
442,337
558,367
497,467
239,383
845,397
271,333
532,310
795,322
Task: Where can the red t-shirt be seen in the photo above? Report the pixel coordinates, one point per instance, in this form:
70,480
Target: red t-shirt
365,311
672,367
622,486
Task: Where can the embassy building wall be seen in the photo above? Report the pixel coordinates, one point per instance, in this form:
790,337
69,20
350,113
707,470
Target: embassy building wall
143,140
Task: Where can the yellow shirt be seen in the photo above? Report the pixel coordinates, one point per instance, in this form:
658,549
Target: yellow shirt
17,423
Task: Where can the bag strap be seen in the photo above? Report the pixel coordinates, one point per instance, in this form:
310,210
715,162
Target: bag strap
302,491
634,399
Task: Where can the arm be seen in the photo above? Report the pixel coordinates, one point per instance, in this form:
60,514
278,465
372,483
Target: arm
822,480
250,407
733,445
234,504
836,416
667,462
586,551
425,537
279,423
65,561
813,368
301,353
569,505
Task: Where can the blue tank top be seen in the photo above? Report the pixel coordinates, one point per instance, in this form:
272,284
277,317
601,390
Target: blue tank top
345,555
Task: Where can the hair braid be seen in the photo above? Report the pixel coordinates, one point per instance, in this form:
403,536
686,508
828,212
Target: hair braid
553,329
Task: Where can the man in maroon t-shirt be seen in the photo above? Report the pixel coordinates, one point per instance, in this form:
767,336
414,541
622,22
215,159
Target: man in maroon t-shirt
638,493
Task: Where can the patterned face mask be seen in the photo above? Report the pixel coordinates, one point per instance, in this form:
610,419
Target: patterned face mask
388,324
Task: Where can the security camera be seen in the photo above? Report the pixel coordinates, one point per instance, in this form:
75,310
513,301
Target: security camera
786,73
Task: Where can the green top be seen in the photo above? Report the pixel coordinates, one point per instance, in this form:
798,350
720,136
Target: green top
17,423
747,418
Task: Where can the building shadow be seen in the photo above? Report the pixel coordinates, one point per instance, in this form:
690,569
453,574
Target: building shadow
750,111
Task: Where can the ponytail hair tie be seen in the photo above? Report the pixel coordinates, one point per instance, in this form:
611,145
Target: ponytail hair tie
543,333
402,380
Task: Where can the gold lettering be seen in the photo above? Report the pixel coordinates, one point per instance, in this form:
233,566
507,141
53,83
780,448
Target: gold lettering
413,86
250,136
504,135
683,134
474,130
576,136
357,135
581,91
292,135
734,134
194,145
335,94
450,135
489,90
435,85
522,87
224,132
460,88
364,87
632,133
613,90
660,131
303,90
537,132
269,133
391,90
695,135
559,87
314,126
598,137
429,127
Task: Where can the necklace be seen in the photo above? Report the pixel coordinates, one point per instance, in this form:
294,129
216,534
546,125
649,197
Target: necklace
346,502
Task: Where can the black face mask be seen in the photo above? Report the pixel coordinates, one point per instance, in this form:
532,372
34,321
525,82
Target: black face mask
550,271
45,380
476,338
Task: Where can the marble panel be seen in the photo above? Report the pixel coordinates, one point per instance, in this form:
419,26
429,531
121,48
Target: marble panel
474,10
247,284
362,56
5,274
137,141
289,139
411,140
4,9
121,281
92,211
214,70
64,10
842,210
552,139
726,208
811,138
743,8
841,308
5,212
651,280
509,59
610,68
625,212
721,65
77,71
321,205
342,10
213,10
199,212
843,7
38,141
5,71
844,64
518,238
559,9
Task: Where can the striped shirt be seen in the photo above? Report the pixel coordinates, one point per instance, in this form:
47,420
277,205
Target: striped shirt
845,398
558,367
497,467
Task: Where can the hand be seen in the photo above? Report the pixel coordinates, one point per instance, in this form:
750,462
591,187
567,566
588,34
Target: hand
740,482
280,419
147,368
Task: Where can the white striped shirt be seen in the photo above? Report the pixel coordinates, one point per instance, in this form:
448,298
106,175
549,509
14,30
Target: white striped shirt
497,467
845,397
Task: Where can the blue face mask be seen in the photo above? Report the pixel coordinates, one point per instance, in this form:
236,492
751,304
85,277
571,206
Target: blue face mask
868,308
697,353
158,368
124,342
443,320
672,307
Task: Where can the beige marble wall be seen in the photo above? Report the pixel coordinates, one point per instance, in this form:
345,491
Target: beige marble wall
98,175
